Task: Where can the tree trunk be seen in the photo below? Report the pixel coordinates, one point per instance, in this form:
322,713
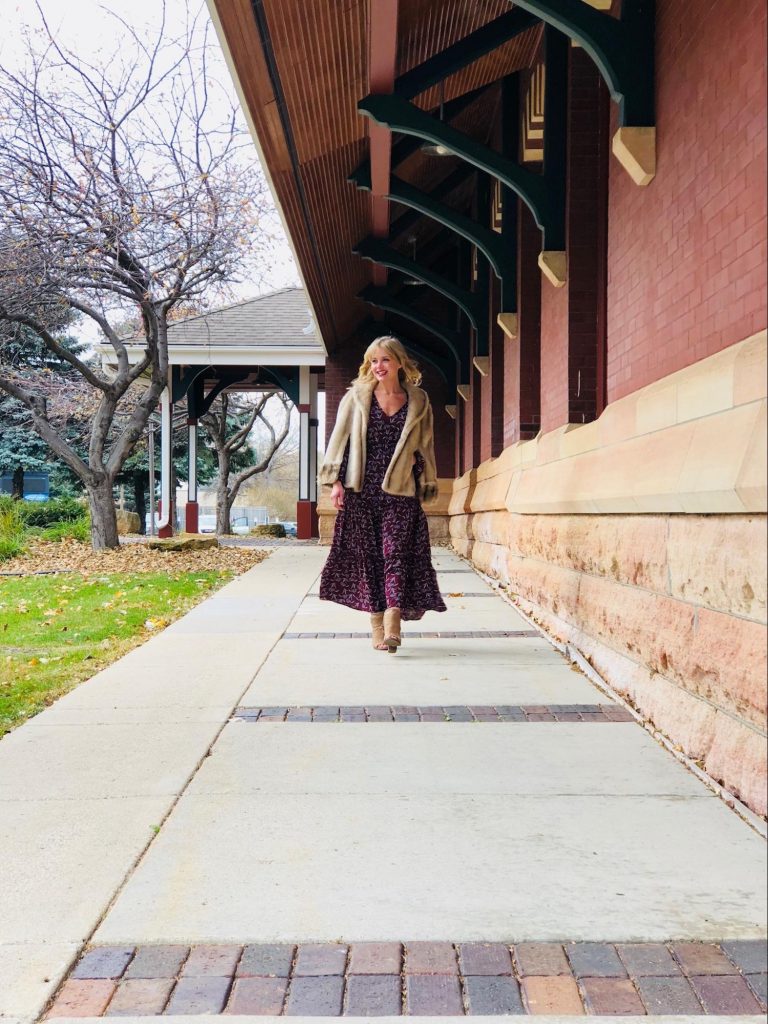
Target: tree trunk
103,515
223,497
17,485
139,497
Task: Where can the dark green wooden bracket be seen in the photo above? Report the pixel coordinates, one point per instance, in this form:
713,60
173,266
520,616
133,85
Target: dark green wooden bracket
445,367
489,242
183,379
378,251
287,379
411,217
464,52
541,192
227,380
383,298
623,50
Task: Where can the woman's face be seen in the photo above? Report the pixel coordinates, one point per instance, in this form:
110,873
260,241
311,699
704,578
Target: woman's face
384,366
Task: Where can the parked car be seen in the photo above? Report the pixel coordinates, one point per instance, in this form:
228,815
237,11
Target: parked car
240,526
206,524
290,529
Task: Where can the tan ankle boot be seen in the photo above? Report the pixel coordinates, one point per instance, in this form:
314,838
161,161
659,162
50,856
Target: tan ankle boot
392,629
377,631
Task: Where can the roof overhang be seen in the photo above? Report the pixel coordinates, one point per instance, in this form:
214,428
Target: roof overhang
224,355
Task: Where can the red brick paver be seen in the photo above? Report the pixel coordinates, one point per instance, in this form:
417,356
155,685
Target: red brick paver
79,997
157,962
374,995
552,995
541,958
725,994
138,996
211,961
433,994
264,996
430,958
375,958
207,994
611,996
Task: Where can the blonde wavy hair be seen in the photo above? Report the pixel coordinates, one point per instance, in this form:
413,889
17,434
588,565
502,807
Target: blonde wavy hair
408,370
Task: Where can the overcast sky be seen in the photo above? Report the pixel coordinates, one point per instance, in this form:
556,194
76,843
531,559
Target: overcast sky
85,26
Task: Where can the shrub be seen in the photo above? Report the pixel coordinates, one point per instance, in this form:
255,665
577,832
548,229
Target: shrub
11,520
269,530
9,548
76,529
46,513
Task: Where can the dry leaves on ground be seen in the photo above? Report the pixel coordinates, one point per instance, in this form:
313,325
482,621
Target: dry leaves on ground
74,556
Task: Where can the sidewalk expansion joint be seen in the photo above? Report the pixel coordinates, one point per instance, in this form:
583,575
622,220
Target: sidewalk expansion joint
436,713
418,978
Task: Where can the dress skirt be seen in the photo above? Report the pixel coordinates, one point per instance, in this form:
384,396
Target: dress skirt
380,555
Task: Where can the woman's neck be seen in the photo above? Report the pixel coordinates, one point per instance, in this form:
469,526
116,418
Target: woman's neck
389,387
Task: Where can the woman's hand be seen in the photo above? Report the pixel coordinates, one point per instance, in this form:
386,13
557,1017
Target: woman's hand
337,495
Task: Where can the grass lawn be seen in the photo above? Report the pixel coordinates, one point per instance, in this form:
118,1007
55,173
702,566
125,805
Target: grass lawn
56,631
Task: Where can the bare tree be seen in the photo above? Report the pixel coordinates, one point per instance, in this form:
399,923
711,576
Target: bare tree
229,425
125,193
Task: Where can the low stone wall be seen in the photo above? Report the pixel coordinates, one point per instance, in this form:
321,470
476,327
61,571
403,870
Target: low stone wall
641,539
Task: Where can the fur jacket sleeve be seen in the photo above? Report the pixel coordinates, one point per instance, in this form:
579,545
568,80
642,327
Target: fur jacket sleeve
417,436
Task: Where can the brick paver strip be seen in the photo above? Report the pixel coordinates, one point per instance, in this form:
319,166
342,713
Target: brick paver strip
439,978
668,995
262,996
647,959
199,995
80,997
558,995
611,996
266,960
541,959
375,958
489,958
373,995
595,960
315,997
432,713
487,995
477,634
703,958
217,961
103,962
750,955
157,962
725,994
321,958
140,996
430,958
433,995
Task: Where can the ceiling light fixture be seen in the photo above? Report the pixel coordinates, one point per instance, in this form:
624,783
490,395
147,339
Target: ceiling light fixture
436,148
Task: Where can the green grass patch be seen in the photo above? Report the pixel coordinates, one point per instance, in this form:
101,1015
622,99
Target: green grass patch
56,631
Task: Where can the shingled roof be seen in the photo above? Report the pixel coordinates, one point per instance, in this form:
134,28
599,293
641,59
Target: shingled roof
280,319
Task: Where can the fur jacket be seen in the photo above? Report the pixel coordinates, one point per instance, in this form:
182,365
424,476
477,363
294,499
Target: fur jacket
417,436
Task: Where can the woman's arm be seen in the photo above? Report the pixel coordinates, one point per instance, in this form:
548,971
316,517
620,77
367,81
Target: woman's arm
337,446
428,475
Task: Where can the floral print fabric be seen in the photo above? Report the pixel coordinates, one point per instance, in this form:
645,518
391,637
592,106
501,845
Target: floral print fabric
380,555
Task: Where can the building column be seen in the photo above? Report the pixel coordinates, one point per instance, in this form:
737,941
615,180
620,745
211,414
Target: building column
191,522
165,523
306,506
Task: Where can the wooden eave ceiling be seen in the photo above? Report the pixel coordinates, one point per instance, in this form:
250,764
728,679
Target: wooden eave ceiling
302,67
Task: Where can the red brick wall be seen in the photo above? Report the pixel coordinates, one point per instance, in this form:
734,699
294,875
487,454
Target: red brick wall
686,254
554,356
522,356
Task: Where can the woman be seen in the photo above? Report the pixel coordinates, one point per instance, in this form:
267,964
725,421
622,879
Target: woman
380,461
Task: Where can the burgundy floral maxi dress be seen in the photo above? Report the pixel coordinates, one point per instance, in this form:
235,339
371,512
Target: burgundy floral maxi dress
380,554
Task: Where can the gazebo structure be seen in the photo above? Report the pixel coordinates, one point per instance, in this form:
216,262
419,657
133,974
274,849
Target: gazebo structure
262,344
559,206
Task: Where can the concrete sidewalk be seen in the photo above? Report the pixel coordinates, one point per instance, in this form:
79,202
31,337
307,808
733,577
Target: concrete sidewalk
313,793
